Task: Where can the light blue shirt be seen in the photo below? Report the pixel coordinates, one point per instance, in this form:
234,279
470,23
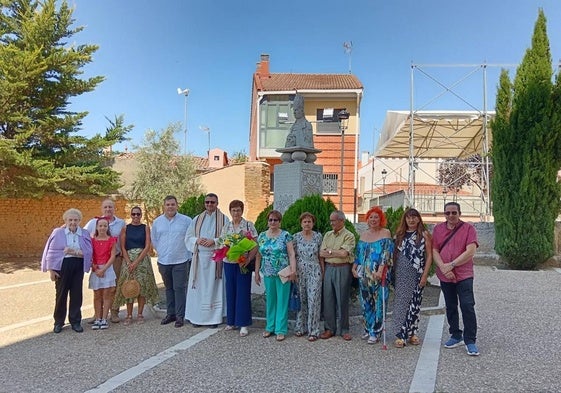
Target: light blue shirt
168,236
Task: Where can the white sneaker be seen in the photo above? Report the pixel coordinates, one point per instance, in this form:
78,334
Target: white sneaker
96,324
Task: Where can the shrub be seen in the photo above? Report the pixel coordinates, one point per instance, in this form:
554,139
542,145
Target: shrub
193,206
314,204
393,217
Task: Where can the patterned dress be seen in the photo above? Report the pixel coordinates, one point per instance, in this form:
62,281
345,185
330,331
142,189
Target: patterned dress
144,274
371,257
409,267
309,282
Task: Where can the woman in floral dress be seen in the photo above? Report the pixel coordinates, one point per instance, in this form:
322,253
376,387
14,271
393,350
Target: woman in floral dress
412,265
373,262
136,247
276,252
310,270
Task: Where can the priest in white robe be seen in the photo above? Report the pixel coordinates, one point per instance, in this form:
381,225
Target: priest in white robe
206,295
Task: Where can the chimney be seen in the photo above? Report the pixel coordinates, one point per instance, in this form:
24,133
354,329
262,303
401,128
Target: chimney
263,66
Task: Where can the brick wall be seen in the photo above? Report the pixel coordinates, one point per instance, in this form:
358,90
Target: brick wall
257,189
27,223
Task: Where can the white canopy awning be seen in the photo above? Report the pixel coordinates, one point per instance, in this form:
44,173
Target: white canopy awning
436,134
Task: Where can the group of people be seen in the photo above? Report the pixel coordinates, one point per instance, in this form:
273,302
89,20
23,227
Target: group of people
100,248
323,266
203,290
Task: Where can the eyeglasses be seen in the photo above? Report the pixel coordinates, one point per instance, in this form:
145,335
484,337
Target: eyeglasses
454,213
136,214
210,202
273,219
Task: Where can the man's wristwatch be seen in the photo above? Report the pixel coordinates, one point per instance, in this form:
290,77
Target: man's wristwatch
453,264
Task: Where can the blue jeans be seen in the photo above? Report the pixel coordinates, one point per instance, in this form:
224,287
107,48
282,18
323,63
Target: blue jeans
175,280
461,291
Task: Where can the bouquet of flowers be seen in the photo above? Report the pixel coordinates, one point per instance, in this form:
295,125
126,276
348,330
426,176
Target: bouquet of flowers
234,246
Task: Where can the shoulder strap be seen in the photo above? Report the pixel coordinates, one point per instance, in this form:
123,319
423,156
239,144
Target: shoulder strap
450,236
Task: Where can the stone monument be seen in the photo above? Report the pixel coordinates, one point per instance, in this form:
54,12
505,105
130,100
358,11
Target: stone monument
297,176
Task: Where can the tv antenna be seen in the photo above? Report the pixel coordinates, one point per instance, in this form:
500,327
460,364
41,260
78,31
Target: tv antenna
348,47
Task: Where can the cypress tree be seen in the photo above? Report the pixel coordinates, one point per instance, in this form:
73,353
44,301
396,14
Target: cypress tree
526,157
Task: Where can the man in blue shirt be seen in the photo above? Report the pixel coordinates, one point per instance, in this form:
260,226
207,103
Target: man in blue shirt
168,234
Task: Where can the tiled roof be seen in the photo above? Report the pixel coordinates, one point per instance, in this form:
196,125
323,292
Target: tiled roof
420,188
280,82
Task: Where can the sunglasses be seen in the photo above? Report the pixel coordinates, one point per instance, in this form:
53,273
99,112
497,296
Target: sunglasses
273,219
454,213
210,202
136,214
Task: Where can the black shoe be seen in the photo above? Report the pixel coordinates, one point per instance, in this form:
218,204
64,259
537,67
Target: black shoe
195,325
179,323
213,326
77,328
168,319
57,329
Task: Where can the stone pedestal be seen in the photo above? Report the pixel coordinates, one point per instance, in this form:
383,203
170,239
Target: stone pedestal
294,180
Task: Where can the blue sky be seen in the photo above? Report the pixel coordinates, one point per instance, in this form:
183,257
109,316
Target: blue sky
148,49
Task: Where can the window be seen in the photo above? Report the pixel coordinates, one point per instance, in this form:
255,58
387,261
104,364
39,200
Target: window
330,183
328,120
276,117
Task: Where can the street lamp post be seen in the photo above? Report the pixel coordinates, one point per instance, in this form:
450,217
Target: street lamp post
343,117
384,173
207,130
184,92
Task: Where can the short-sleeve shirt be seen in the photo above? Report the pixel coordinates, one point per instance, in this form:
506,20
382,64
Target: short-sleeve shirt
344,239
274,254
464,236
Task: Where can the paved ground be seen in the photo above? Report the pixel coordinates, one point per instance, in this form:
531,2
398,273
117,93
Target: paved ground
519,339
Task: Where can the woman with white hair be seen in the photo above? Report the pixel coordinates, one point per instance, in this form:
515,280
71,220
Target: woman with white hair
67,256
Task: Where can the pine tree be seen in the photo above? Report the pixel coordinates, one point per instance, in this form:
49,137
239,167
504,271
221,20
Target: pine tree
526,157
40,71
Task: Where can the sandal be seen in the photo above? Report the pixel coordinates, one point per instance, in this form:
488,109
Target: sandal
399,343
128,320
229,327
300,334
267,334
414,340
280,337
243,331
140,319
312,338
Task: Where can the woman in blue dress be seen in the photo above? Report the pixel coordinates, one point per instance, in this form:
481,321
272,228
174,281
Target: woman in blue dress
276,252
372,265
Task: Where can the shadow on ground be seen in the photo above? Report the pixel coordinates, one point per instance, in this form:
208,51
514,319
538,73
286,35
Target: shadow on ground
9,265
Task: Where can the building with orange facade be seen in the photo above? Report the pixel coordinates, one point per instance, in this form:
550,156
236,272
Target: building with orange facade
325,96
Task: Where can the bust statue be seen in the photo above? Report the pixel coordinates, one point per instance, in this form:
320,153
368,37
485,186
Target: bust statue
299,145
301,133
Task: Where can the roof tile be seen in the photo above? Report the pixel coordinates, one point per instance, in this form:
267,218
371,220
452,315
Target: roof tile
280,82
